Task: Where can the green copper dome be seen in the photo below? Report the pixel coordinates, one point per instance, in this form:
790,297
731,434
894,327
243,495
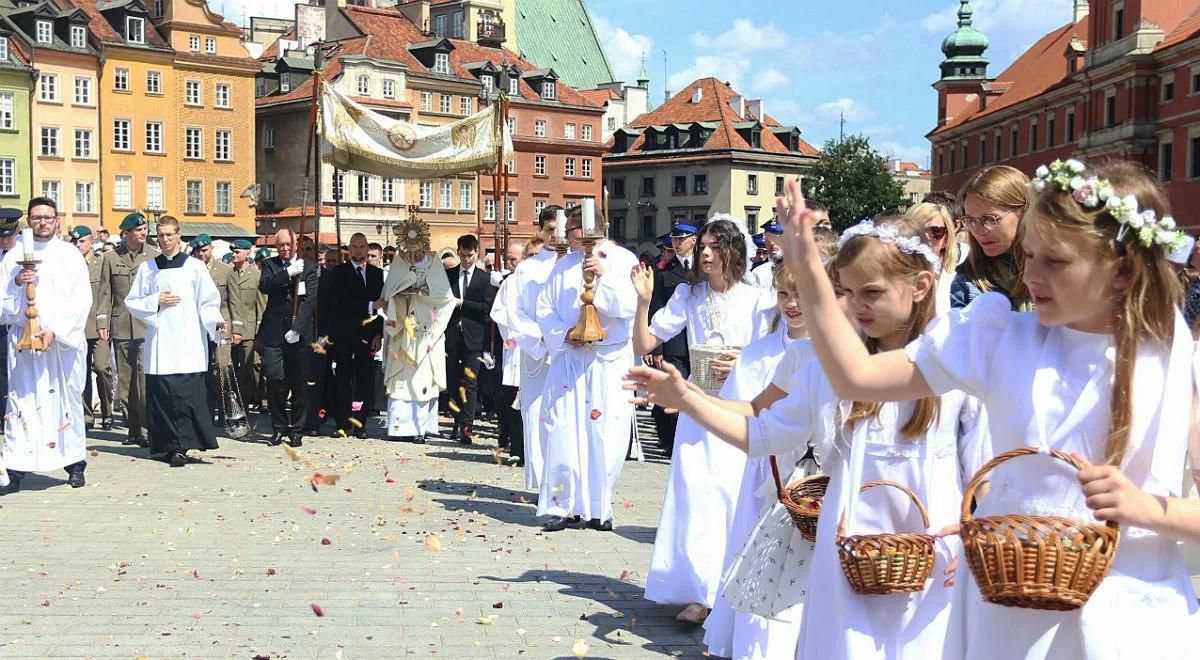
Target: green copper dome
966,40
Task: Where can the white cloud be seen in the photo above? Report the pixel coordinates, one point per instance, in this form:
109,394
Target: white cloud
1003,20
767,80
727,68
850,109
918,154
623,49
743,37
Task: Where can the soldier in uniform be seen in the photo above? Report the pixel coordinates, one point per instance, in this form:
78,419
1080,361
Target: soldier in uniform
115,323
98,352
246,304
219,272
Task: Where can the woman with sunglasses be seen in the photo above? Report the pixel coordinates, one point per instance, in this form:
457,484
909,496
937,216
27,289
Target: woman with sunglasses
937,223
993,201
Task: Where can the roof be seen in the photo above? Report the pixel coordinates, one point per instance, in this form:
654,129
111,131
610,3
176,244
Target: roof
1187,28
104,31
1037,71
214,229
713,107
295,212
600,96
559,34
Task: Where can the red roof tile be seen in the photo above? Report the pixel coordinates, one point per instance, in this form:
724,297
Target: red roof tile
1187,28
105,32
599,96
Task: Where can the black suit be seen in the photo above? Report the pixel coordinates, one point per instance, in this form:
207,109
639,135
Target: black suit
353,330
466,339
674,350
284,363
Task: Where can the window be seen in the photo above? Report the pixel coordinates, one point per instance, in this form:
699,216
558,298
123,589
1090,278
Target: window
78,36
999,144
49,141
779,183
538,207
612,123
966,154
679,185
648,186
751,184
339,186
1194,157
1166,158
153,82
439,25
1013,147
154,135
121,79
489,84
509,214
618,187
1118,26
192,92
569,131
387,191
1110,110
1033,137
510,166
45,32
195,196
648,226
223,100
224,198
586,166
210,47
539,166
426,194
194,43
1195,82
389,89
539,128
364,86
441,63
48,88
194,143
1051,121
464,106
122,192
157,11
83,91
135,30
364,188
466,196
514,86
457,24
1167,90
224,148
85,197
512,125
53,190
7,107
427,101
570,167
751,218
587,132
285,83
269,138
121,135
444,103
4,49
1071,125
154,192
700,183
8,175
83,143
446,198
548,91
953,162
269,193
489,209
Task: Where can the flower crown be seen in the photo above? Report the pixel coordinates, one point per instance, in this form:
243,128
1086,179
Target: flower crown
891,234
1092,192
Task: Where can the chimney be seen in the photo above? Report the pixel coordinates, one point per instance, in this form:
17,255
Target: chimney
697,94
738,103
755,107
1081,10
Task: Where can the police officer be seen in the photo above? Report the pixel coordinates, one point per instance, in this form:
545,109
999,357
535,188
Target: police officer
8,239
675,351
245,307
114,322
99,353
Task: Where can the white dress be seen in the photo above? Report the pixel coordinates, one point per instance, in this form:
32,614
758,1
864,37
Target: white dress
1053,384
531,275
836,622
702,485
729,633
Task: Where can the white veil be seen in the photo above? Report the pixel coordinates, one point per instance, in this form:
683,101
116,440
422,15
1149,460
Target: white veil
751,250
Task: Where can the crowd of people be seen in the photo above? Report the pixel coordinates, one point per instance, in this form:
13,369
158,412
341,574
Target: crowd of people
910,350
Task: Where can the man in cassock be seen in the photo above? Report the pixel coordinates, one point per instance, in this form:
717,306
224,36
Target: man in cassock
588,415
176,298
44,428
419,308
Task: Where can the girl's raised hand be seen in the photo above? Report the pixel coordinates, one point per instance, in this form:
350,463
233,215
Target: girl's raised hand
797,221
643,282
665,388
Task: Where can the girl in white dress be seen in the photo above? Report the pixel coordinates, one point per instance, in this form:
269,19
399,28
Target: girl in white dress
702,487
939,233
1103,369
888,275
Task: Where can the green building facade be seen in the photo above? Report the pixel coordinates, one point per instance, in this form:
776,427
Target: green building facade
16,148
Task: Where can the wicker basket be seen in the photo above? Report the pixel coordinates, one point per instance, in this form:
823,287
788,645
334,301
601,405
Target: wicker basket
1035,562
699,356
877,564
802,499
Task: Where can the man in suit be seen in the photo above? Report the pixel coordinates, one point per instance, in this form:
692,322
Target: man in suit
324,392
675,351
466,338
356,291
115,322
285,340
98,351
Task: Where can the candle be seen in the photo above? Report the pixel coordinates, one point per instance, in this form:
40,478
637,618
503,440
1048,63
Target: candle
589,217
27,243
560,226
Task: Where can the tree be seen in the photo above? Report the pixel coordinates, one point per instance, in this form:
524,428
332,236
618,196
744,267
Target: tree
851,178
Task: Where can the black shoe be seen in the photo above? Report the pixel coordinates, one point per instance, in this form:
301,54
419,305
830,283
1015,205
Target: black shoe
420,440
595,524
558,524
361,434
14,485
276,439
339,433
295,441
107,424
455,433
76,479
130,439
143,441
176,460
465,435
579,523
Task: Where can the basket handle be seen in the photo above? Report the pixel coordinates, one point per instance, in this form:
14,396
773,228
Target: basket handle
775,473
978,479
904,489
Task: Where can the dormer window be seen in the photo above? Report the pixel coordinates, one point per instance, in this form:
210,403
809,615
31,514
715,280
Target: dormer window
364,86
135,30
78,36
441,63
3,49
514,86
285,83
45,32
489,84
548,90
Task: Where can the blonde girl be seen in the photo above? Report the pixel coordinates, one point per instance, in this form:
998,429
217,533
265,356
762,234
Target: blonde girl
992,200
938,229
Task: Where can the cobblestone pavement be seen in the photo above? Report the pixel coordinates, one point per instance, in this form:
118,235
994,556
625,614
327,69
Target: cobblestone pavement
415,552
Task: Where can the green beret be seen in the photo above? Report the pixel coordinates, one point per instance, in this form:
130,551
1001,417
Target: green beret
133,221
79,232
263,253
227,257
203,240
242,244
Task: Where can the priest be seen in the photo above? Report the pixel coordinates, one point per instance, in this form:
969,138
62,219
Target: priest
419,305
176,298
588,416
44,428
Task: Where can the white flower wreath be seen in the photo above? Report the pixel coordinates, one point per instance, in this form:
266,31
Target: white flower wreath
891,234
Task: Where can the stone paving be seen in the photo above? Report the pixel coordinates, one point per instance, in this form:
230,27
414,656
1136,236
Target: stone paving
416,551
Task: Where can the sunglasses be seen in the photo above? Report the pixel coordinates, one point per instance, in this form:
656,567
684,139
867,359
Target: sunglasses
935,233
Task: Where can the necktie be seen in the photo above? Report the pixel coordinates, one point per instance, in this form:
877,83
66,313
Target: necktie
362,275
462,287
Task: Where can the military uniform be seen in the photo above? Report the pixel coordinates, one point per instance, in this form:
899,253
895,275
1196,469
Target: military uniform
99,356
219,272
117,270
246,304
8,227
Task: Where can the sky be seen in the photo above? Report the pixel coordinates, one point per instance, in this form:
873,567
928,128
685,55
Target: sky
811,61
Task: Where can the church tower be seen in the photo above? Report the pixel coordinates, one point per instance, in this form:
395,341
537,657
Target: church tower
964,69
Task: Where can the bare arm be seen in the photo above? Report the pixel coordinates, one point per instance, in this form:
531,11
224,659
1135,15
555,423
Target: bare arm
668,389
643,282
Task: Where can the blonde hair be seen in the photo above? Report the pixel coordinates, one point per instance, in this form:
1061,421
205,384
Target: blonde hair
1145,308
1007,187
782,278
924,212
895,266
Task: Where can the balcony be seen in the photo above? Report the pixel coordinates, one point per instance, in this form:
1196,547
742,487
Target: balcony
490,33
